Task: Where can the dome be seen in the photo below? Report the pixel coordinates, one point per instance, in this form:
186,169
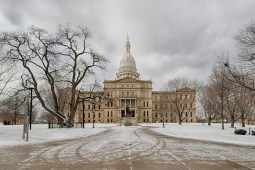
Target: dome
127,65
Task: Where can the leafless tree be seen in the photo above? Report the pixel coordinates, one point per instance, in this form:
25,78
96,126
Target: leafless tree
182,101
51,59
243,69
13,109
219,81
245,104
208,103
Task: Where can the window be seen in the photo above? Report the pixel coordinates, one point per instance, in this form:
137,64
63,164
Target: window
156,115
99,115
186,114
186,96
191,114
88,106
147,104
89,121
156,106
144,104
99,107
107,113
111,113
147,113
190,120
89,115
171,120
143,120
143,113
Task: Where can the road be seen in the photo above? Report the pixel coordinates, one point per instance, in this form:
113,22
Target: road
128,148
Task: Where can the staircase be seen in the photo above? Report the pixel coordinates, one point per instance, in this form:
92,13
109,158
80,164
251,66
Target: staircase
129,121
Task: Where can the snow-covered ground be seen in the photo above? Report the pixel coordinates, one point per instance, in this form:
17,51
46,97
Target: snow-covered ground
11,135
205,132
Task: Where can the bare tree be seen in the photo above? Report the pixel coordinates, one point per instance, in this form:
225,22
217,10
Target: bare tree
219,81
232,102
182,101
52,59
243,71
245,104
13,109
208,103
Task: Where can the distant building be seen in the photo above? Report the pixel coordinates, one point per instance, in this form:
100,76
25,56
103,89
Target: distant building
132,98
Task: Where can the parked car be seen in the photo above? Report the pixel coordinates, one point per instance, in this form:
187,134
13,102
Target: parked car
240,131
253,132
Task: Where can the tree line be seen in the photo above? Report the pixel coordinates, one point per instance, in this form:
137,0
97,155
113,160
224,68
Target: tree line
49,63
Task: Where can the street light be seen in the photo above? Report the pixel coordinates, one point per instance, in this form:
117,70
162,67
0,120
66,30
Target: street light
94,106
31,105
163,120
83,114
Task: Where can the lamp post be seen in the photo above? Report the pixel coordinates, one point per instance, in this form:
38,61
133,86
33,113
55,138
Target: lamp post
30,108
83,114
163,120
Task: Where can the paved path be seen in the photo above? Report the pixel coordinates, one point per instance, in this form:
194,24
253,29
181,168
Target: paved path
128,148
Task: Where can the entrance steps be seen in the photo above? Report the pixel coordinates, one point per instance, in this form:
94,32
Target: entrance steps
129,121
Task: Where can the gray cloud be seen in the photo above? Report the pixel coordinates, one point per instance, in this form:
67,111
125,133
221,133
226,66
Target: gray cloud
168,38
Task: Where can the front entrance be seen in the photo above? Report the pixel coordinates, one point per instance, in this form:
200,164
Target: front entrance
131,113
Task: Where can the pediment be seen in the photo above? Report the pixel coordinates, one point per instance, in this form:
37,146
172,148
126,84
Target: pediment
186,89
127,80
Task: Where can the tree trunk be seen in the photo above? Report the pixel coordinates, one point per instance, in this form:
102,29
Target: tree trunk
222,121
242,120
209,121
180,120
232,121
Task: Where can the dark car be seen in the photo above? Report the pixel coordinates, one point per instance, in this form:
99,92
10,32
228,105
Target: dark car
253,132
240,132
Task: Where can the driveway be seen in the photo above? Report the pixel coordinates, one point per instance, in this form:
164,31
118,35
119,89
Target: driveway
128,148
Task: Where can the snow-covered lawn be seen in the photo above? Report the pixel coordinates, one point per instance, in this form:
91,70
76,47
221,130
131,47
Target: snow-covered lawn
11,135
205,132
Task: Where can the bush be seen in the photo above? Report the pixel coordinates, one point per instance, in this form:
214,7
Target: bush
240,132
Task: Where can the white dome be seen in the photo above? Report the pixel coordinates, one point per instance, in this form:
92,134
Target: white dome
127,65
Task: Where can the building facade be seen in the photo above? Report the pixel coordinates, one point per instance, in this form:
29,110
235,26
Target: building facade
130,97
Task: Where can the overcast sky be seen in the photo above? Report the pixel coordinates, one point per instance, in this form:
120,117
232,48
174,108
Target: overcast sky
169,38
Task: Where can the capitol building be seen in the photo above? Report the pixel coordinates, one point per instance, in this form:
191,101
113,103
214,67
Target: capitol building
130,99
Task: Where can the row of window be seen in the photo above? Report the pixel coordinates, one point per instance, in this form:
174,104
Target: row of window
165,106
94,106
109,114
160,115
144,113
166,97
145,104
108,120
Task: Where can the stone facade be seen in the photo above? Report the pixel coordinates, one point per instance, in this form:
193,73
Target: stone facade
128,97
